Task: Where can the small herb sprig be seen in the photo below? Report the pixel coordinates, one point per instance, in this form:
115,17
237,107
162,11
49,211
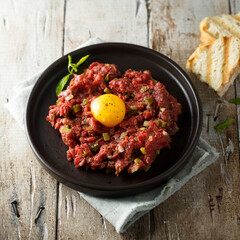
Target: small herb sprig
72,68
221,126
235,100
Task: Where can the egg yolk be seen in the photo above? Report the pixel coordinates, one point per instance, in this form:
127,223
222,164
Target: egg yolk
108,109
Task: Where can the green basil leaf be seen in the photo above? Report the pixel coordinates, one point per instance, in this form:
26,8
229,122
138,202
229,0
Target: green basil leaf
82,60
221,126
71,67
62,83
235,100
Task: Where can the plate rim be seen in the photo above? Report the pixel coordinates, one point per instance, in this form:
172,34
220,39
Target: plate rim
169,172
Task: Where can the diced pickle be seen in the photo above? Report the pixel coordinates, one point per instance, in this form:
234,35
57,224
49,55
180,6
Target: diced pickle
106,137
155,80
133,113
107,78
144,89
136,160
85,102
65,129
76,108
146,169
107,90
127,95
134,108
143,150
53,117
149,101
94,147
161,123
58,101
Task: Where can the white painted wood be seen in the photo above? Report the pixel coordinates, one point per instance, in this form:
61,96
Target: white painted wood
186,215
32,34
125,22
112,21
30,39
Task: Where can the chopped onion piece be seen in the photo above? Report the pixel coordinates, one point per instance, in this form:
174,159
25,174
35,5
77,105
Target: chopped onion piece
123,135
120,149
165,133
146,123
70,96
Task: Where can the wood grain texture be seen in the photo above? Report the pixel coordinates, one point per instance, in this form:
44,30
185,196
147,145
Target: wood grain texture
31,38
118,21
208,206
35,33
126,22
235,8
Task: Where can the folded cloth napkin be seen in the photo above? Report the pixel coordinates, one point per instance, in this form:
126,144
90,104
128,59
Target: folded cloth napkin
122,212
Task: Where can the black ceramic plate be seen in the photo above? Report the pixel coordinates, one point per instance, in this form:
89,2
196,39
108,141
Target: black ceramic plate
51,151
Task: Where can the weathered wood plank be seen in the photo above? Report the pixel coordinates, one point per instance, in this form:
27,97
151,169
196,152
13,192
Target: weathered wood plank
121,21
125,22
235,8
187,214
31,38
79,220
30,42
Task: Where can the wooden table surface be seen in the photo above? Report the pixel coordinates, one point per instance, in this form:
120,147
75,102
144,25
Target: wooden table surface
35,33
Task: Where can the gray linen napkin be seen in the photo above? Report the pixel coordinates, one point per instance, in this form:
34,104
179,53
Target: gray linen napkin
122,212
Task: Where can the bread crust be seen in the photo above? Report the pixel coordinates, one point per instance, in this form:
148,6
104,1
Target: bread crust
204,26
234,72
205,35
225,78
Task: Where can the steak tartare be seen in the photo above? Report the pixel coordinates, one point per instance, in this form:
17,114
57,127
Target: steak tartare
132,145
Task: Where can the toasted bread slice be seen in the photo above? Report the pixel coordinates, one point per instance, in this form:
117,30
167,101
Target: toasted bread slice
217,63
212,28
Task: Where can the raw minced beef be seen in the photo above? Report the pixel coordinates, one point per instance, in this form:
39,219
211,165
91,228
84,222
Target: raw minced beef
151,118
